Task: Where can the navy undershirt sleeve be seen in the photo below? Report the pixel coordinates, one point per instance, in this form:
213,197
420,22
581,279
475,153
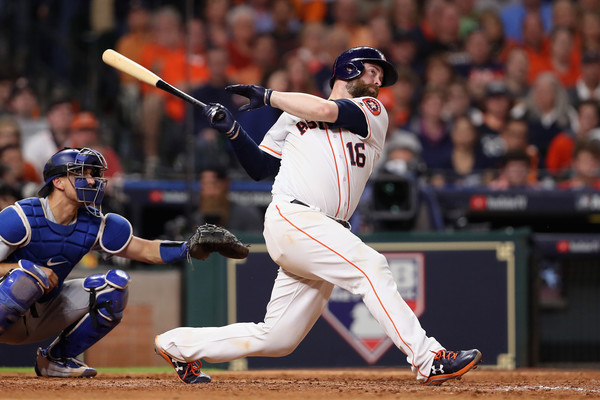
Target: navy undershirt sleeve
350,117
257,163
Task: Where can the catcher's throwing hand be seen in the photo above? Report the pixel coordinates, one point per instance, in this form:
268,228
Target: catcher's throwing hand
211,238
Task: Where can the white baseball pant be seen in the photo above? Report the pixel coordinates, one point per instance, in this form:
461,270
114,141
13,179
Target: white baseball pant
314,253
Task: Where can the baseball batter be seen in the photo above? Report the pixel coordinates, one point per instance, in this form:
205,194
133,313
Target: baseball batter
43,238
323,152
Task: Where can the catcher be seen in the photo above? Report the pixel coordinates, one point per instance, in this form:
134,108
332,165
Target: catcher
42,239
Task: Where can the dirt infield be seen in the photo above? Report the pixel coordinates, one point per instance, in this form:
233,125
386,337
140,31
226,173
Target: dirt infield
311,384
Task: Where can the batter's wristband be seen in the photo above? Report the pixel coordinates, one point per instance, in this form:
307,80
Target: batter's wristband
171,251
233,132
268,93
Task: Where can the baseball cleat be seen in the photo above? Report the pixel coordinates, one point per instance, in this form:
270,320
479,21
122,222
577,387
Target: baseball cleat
452,364
187,372
63,368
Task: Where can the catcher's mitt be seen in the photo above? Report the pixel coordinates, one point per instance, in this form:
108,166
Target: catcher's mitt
210,238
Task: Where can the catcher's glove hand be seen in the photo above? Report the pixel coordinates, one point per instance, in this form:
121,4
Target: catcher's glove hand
210,238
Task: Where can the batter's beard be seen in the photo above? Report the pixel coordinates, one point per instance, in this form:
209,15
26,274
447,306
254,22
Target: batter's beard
357,88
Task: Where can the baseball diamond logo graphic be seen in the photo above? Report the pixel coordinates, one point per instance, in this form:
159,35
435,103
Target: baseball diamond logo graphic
348,315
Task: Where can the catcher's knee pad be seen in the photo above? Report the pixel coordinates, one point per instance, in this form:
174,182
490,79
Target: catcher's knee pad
108,299
19,289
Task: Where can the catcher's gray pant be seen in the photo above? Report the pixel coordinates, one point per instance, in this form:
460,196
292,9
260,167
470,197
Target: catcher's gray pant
315,253
70,305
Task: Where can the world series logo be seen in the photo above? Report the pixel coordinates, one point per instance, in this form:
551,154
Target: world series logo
351,319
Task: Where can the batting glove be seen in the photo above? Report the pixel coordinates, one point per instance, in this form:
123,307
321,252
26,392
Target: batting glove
258,95
220,118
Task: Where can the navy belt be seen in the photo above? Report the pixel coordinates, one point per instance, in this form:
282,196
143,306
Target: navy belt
345,224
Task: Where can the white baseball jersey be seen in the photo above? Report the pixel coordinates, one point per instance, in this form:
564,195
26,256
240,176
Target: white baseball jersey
326,168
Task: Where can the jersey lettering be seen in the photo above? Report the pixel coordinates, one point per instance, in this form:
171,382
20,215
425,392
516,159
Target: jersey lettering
303,126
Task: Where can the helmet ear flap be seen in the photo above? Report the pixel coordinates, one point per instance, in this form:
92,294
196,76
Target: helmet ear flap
354,69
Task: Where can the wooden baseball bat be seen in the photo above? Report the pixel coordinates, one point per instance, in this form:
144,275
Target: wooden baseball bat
130,67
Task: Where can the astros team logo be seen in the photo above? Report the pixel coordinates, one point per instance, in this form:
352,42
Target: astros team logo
373,106
349,316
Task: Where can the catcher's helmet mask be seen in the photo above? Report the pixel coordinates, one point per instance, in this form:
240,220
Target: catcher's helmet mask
350,65
78,162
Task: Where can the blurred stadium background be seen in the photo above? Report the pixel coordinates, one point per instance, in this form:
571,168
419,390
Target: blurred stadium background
485,202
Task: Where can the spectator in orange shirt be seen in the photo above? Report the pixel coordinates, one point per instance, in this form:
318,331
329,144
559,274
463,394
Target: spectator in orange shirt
167,42
560,151
311,10
585,167
139,34
563,59
536,44
186,71
131,45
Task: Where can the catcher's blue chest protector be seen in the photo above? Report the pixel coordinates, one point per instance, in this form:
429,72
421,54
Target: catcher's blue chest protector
58,247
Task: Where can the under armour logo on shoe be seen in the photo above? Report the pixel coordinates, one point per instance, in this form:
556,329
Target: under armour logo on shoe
178,368
435,370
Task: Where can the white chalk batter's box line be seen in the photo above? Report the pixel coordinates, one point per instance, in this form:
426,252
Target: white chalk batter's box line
540,388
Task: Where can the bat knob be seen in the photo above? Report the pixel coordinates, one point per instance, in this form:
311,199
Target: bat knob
219,116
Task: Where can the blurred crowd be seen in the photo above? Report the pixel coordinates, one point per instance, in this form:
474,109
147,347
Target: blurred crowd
490,92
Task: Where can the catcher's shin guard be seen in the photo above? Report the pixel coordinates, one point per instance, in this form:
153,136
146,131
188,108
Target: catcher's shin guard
108,299
19,289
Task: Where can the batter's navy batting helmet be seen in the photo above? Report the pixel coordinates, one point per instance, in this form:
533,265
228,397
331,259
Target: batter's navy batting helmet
349,65
76,162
